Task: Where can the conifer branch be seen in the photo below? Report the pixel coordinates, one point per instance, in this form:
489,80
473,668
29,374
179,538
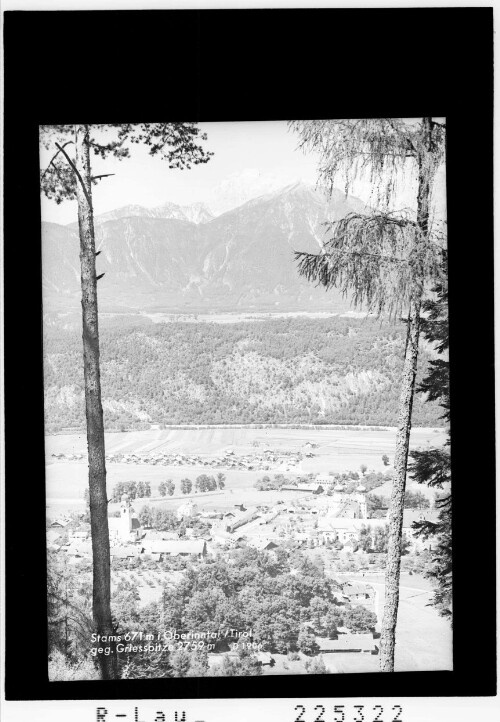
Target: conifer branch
61,148
55,168
379,257
53,159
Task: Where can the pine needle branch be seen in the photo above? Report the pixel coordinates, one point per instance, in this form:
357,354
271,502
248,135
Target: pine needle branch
61,148
53,159
376,258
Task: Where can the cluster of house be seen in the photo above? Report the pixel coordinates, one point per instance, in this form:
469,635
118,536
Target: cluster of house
152,545
225,532
340,517
340,503
260,461
347,530
68,457
127,538
156,550
345,642
303,488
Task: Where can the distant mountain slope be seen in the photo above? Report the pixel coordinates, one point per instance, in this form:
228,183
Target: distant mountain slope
195,213
241,260
336,370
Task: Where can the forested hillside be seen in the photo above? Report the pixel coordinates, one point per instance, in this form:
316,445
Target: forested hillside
336,370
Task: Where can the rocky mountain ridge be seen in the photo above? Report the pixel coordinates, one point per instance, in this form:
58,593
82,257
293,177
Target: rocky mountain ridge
195,213
241,260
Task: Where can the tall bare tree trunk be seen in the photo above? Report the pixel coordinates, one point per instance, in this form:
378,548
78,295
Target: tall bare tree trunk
393,565
95,426
395,519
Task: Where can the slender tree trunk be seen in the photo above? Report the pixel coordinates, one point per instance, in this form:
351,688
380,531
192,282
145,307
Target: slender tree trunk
93,406
393,564
395,519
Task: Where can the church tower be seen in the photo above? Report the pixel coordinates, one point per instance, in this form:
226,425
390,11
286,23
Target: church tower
338,500
125,518
361,499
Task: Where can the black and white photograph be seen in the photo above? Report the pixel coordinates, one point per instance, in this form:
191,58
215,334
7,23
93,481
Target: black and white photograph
248,354
245,339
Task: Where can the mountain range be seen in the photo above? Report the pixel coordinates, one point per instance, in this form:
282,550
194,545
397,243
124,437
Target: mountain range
183,259
195,213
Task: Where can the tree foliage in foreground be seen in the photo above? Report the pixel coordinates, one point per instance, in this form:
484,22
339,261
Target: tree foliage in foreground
385,260
69,175
432,466
175,143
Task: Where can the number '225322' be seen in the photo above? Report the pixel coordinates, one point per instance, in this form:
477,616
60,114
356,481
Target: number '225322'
359,713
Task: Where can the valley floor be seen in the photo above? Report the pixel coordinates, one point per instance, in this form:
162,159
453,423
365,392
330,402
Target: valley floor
336,450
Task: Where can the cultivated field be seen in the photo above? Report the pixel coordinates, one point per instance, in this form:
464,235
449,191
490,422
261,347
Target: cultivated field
159,317
337,450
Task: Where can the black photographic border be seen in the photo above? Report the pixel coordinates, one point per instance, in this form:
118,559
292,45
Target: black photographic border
213,65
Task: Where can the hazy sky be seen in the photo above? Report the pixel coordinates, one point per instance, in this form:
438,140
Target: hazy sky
250,158
251,153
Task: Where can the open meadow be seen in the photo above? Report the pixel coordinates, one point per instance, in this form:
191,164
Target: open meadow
424,640
335,450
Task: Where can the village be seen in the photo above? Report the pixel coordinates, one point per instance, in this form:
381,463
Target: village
264,460
323,517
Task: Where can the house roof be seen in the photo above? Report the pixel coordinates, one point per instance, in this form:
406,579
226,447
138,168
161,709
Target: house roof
411,515
311,488
218,533
125,552
357,588
349,641
332,523
264,657
243,516
153,535
215,660
261,543
79,549
360,523
174,548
